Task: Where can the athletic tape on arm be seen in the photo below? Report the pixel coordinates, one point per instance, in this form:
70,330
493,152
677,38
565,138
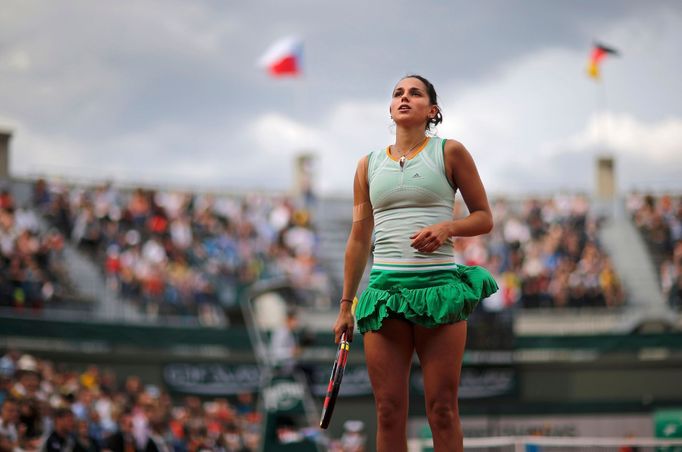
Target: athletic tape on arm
362,211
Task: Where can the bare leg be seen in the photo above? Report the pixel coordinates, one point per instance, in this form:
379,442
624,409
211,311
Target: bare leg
389,355
440,352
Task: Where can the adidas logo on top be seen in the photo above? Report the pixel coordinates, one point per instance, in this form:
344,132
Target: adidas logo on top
416,176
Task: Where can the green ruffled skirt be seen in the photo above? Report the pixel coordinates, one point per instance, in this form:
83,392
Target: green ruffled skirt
427,298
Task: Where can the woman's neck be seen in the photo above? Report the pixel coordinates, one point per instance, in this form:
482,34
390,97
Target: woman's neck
407,138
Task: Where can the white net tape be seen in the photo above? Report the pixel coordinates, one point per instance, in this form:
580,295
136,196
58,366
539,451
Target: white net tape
558,444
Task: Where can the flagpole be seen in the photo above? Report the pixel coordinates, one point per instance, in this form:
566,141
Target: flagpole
307,157
284,59
606,185
598,54
301,104
602,109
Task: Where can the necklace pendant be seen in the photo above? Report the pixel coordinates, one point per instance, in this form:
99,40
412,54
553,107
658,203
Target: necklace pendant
402,162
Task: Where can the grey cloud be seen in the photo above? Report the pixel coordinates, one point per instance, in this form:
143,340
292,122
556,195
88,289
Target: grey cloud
100,73
574,171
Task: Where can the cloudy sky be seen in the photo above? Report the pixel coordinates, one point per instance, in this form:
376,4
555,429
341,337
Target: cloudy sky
170,91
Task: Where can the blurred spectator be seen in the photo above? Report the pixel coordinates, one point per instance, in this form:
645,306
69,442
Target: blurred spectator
353,438
246,404
84,441
27,386
284,347
62,438
122,440
9,422
6,444
41,195
6,200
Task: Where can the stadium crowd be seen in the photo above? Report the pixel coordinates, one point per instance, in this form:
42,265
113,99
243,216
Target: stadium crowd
32,269
659,219
44,407
545,253
185,254
182,253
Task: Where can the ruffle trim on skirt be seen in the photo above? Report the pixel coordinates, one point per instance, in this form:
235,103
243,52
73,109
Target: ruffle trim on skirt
428,306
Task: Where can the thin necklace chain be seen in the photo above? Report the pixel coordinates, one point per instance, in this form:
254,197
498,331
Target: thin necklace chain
411,149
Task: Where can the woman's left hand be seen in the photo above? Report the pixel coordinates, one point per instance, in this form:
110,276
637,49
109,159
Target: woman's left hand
430,238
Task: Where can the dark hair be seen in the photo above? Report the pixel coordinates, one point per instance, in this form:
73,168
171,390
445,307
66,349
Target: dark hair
62,412
433,98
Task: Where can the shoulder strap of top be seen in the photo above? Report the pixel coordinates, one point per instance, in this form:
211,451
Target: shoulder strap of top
374,159
437,151
441,155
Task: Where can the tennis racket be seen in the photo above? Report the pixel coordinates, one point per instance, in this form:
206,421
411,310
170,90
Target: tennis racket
335,381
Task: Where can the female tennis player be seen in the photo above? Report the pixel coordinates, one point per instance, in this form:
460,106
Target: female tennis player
418,297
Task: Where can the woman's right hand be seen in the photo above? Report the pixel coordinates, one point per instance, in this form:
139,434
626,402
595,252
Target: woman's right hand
344,322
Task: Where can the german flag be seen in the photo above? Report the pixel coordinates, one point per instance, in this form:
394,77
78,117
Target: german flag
598,53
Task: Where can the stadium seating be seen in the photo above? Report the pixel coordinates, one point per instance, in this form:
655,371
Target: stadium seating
184,254
545,252
659,220
188,254
32,272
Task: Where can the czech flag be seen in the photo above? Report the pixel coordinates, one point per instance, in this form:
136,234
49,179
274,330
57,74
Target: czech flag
284,58
598,53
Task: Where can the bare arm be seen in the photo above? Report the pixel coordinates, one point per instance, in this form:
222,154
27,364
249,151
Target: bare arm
464,175
357,249
462,172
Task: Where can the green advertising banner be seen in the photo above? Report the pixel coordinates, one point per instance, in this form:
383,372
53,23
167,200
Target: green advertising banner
477,382
216,379
668,425
212,379
355,381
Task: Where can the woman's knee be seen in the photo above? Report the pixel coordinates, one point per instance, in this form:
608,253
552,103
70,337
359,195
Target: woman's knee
443,414
391,411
